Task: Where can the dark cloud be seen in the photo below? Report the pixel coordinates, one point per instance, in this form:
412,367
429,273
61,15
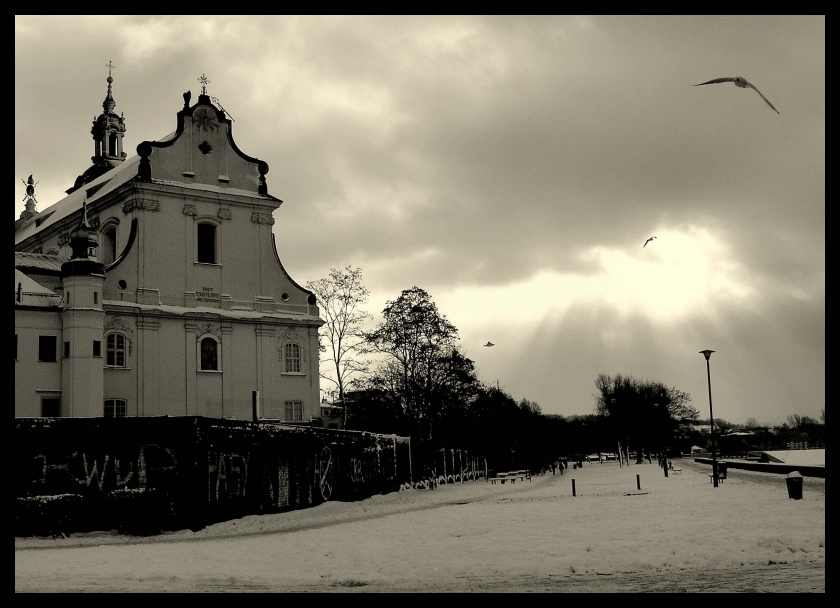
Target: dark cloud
467,154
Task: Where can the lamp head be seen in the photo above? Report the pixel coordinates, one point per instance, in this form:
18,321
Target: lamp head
706,353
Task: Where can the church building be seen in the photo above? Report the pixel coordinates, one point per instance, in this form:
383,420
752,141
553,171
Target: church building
154,288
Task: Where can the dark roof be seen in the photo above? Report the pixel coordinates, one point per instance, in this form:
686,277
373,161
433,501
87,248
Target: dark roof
39,262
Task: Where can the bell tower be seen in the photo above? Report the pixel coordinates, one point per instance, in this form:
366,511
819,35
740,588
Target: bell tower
108,130
83,322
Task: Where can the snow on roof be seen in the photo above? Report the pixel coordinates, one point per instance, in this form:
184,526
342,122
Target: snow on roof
32,293
72,203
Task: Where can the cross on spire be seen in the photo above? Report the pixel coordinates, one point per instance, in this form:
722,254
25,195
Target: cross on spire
204,82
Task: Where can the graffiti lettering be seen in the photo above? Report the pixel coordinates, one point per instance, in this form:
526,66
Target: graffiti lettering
105,472
325,473
94,471
227,476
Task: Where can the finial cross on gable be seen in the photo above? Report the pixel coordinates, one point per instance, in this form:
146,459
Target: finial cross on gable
204,82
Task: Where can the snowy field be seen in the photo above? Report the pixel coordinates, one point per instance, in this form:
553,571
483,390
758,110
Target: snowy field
628,528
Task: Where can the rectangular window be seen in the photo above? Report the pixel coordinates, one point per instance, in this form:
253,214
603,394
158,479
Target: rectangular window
96,297
50,407
115,350
293,410
47,348
115,408
66,349
206,243
292,358
97,348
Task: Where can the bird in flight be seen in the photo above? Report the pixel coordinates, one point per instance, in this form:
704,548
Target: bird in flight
489,344
648,241
740,82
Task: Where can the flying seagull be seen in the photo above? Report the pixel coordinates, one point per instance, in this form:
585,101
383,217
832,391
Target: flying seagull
740,82
489,344
648,241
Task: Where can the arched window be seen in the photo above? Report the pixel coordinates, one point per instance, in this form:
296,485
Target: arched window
291,358
115,347
108,243
209,354
293,410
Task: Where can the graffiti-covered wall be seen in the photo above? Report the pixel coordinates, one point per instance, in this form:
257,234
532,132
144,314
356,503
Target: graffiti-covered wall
145,475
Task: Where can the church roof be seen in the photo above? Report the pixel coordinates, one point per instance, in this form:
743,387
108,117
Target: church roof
39,263
30,293
72,203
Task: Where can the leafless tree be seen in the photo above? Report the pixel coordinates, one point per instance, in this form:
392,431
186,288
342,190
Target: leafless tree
341,296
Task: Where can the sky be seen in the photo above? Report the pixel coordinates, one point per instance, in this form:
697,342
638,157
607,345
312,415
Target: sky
622,524
511,166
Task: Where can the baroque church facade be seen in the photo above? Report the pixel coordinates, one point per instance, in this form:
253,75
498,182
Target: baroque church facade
154,288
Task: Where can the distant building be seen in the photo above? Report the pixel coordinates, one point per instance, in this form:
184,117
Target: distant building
155,288
332,414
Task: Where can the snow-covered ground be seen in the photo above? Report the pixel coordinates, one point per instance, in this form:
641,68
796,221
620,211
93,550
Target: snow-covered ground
811,458
622,521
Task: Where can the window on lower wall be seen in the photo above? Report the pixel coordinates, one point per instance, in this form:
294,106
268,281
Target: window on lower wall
115,408
51,407
291,357
293,410
47,348
115,350
209,355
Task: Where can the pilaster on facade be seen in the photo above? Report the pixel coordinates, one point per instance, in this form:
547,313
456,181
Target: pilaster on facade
264,303
147,295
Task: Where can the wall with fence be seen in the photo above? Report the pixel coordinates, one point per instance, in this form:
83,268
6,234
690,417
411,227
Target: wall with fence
146,475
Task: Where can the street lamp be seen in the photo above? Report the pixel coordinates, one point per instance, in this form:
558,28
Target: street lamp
708,353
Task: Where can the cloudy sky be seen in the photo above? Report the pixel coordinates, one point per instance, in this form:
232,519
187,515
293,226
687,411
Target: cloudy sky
511,166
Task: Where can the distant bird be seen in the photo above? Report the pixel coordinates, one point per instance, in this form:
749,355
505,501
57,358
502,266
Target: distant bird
648,241
489,344
740,82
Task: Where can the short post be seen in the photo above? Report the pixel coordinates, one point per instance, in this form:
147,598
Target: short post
573,488
665,465
638,482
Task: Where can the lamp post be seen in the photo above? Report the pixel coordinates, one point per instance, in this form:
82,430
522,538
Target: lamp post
708,353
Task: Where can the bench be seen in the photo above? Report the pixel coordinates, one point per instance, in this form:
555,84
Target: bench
502,478
676,471
511,476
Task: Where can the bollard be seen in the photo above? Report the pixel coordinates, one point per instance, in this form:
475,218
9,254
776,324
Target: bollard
638,482
573,488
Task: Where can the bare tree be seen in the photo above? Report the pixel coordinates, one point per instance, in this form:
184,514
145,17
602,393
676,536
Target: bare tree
340,298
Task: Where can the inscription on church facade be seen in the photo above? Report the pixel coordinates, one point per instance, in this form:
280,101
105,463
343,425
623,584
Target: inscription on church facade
207,294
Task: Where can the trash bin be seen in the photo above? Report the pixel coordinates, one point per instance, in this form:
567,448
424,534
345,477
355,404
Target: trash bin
794,485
